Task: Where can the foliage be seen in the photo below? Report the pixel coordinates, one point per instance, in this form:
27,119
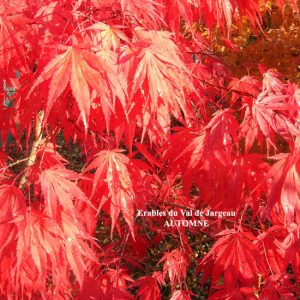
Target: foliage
160,124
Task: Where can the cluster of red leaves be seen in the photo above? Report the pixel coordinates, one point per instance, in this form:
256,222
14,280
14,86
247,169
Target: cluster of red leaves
163,125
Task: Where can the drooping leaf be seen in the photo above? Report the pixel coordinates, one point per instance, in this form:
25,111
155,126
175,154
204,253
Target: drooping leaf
59,190
112,179
148,287
175,265
42,249
10,41
13,205
156,92
234,257
284,188
272,252
82,70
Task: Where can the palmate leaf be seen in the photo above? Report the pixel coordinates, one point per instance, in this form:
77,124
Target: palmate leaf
272,251
175,265
149,12
234,257
159,79
124,73
82,70
268,110
107,36
11,42
59,190
284,188
148,287
222,136
267,115
34,246
13,204
43,248
278,287
112,179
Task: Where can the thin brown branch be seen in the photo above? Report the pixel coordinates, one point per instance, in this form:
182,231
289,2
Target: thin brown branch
35,146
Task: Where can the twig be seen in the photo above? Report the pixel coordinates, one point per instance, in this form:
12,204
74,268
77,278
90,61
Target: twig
14,163
36,143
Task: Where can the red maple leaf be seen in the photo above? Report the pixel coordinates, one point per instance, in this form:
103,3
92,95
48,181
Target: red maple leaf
284,188
59,190
234,256
181,295
112,179
149,287
83,70
175,265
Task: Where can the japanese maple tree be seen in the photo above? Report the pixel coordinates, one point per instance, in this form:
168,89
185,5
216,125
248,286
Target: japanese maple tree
158,123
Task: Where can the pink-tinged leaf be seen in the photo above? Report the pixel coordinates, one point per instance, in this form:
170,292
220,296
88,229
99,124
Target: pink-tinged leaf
48,156
250,130
13,6
266,110
284,188
270,113
59,189
149,12
108,36
80,87
182,295
43,247
271,81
